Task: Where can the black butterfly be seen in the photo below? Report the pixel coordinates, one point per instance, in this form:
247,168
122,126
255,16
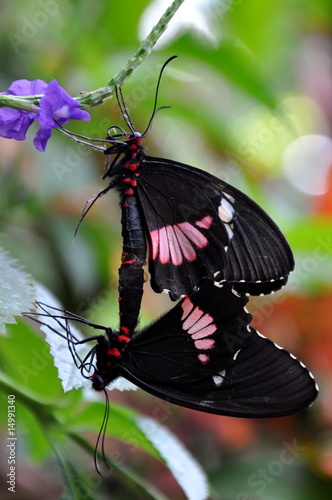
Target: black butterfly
197,226
202,354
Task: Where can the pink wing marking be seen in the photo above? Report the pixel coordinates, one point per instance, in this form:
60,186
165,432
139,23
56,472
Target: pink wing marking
193,318
203,358
174,247
202,323
205,223
187,307
205,332
193,234
204,344
164,255
154,235
173,243
187,249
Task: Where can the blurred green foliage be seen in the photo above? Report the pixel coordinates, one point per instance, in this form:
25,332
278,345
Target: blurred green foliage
239,97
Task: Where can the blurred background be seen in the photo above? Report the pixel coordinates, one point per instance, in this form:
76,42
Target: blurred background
251,102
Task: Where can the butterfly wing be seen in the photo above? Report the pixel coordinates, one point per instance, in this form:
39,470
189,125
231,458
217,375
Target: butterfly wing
199,226
204,355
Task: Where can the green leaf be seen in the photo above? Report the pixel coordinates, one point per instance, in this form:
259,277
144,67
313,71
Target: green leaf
130,480
76,488
25,357
16,290
122,424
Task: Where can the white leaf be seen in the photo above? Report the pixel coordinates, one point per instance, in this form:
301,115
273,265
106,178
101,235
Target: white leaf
69,374
17,293
183,466
122,384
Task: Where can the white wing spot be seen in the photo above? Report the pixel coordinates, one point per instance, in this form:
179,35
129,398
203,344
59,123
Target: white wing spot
236,354
226,211
219,378
229,230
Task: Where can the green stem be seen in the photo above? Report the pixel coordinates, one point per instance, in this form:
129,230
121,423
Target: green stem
22,102
95,97
100,95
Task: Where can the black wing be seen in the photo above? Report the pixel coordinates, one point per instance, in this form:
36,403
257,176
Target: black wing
199,226
204,355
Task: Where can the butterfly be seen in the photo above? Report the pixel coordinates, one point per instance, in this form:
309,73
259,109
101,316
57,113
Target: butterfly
196,225
203,354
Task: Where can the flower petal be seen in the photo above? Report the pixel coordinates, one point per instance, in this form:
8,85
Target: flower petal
41,138
14,123
27,87
56,109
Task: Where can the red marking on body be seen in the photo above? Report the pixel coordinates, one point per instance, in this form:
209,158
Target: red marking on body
119,299
125,204
132,261
123,338
125,330
113,352
132,182
131,166
129,191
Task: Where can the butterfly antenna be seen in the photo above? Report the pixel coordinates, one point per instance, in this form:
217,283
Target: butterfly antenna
123,108
101,438
82,139
155,109
88,205
72,341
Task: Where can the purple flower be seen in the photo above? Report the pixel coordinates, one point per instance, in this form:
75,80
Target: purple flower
56,108
14,123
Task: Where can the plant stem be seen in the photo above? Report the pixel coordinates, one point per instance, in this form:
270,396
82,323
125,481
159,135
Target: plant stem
19,102
98,96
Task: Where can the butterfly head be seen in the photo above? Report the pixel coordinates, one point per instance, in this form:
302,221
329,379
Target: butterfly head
108,352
